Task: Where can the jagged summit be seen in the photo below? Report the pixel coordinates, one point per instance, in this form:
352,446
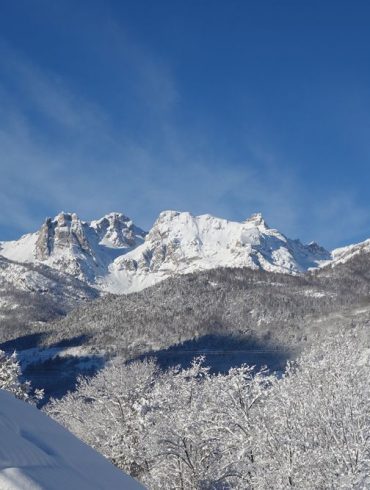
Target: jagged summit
83,249
168,215
116,230
256,219
116,255
314,247
63,215
180,242
65,231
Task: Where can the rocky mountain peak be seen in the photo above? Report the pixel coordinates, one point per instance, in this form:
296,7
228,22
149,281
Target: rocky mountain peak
116,255
180,242
77,247
167,216
256,219
118,231
317,249
65,231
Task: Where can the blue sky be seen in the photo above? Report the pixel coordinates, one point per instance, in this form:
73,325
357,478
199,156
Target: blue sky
211,106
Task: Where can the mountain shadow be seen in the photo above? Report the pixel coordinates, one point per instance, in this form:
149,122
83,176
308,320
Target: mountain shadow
222,352
58,375
52,368
23,342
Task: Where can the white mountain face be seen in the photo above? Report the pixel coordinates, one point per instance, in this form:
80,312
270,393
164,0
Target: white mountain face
30,278
344,254
115,255
180,243
82,249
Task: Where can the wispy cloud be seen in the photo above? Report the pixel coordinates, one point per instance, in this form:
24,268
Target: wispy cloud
61,150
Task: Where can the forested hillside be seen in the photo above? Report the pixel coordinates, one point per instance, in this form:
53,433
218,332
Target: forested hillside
273,309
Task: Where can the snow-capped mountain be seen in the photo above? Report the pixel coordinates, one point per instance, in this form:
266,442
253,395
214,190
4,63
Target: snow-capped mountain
115,255
37,453
344,254
79,248
180,243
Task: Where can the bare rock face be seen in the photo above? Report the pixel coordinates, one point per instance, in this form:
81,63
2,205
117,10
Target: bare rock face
45,241
64,243
65,232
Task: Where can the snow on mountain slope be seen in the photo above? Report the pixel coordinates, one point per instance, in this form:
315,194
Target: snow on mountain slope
180,243
35,292
41,279
115,255
70,245
36,453
344,254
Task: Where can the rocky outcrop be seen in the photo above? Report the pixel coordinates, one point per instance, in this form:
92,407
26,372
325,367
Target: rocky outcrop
80,248
118,230
65,232
45,241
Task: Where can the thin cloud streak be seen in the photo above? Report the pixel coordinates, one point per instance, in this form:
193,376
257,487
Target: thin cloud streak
93,167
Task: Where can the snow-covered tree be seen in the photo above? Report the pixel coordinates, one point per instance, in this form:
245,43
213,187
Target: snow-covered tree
183,428
10,379
201,427
108,412
191,429
314,427
183,452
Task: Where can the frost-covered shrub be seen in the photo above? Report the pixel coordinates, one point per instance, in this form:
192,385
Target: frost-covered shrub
190,429
108,413
183,428
10,379
314,426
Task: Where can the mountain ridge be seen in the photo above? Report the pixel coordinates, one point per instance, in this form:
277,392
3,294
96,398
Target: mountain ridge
114,255
80,248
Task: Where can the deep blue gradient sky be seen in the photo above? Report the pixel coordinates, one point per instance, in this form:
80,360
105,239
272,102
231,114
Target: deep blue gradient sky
211,106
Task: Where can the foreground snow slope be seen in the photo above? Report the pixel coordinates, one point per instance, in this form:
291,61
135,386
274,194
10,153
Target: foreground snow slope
36,453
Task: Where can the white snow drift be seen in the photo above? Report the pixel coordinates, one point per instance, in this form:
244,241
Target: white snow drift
36,453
